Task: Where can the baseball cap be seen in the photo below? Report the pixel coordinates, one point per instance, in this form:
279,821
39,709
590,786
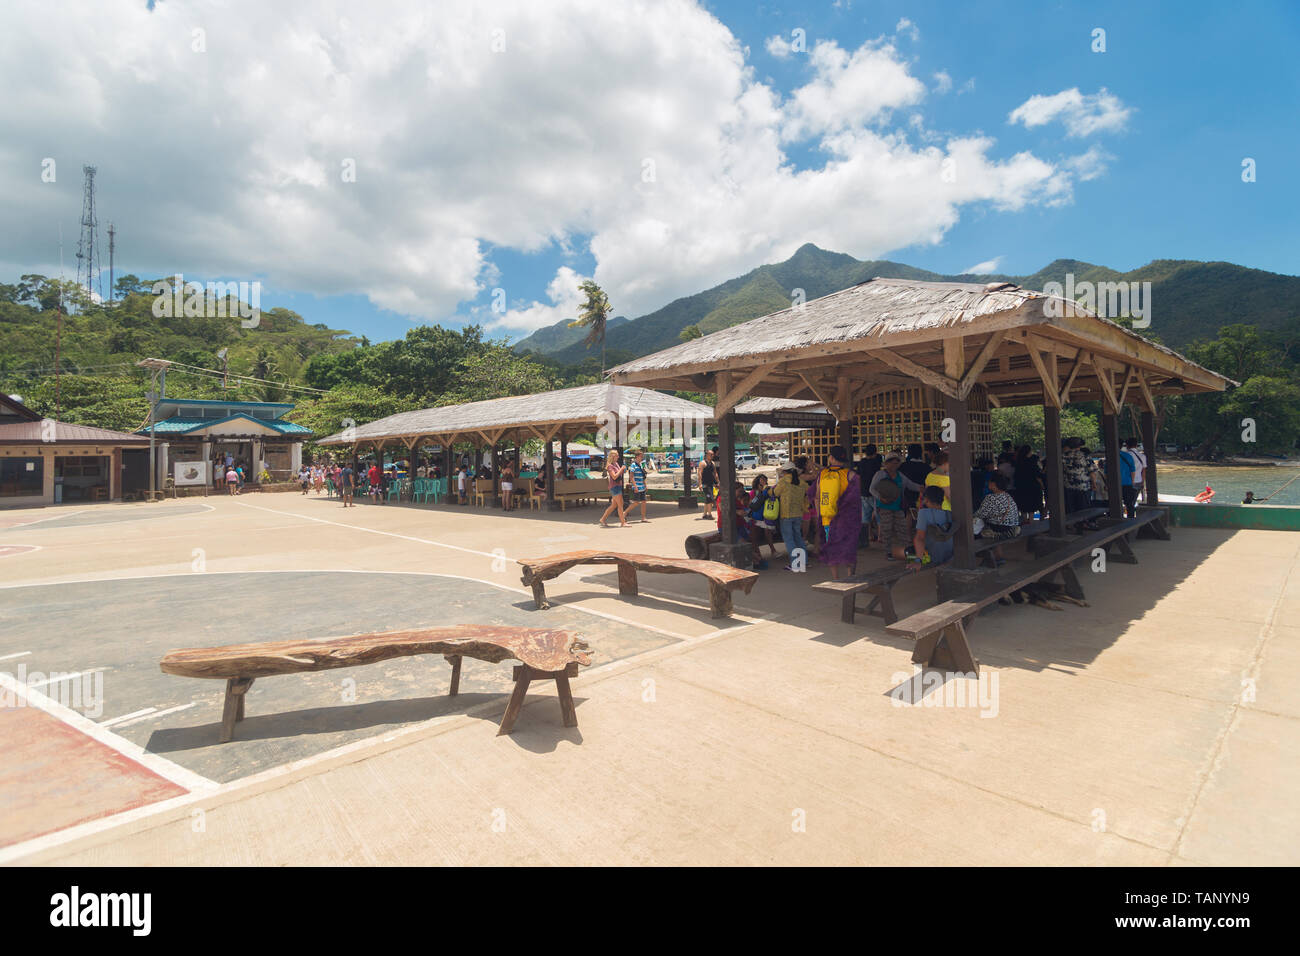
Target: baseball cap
893,456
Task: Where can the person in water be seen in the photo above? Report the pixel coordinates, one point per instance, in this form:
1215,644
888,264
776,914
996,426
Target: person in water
1249,499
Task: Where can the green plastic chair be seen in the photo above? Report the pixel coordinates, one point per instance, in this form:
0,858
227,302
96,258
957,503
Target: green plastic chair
394,490
438,488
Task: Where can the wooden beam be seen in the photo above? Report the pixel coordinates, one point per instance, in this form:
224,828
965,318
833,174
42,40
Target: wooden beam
816,389
977,367
1108,388
727,401
919,372
1146,393
1128,380
954,357
1065,389
1049,386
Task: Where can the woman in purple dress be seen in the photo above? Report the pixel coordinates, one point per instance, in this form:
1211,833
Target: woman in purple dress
842,549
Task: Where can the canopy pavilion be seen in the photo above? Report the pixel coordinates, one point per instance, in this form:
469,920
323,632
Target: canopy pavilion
611,412
896,360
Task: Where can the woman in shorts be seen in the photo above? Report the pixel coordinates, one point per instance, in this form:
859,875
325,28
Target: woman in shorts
507,486
614,472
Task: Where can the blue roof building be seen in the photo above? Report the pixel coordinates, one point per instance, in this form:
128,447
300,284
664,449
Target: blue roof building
200,436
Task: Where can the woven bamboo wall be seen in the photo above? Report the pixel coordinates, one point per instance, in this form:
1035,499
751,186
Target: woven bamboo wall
893,420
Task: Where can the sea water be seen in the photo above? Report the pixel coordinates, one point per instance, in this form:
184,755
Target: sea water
1231,482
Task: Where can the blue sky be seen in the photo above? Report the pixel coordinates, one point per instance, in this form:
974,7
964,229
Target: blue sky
457,196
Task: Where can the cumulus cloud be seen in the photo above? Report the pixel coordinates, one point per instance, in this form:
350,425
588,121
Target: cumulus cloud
565,301
778,46
641,137
907,28
942,82
1082,114
984,268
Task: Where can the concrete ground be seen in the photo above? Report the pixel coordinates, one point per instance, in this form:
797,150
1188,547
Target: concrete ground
1156,726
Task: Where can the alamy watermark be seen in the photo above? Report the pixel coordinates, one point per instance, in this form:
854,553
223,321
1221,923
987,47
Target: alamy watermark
175,297
77,690
934,688
1109,300
623,430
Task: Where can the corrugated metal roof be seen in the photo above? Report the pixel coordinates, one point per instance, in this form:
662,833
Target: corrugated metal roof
24,433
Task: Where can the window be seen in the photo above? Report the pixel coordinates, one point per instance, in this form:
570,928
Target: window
21,477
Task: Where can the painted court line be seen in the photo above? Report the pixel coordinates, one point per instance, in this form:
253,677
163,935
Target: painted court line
134,713
9,657
59,678
159,765
153,715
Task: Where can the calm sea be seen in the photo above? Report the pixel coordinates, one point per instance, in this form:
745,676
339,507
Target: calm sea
1231,482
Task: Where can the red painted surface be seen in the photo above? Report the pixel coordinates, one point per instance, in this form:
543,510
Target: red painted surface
10,549
53,776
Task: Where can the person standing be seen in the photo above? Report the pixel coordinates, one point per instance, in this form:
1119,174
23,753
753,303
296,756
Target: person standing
347,482
793,498
614,474
638,472
888,488
375,477
304,478
507,486
232,481
939,478
839,499
708,481
1076,478
1139,471
914,469
1127,489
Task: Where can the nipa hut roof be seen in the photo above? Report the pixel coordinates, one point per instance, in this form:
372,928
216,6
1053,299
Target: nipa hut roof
584,407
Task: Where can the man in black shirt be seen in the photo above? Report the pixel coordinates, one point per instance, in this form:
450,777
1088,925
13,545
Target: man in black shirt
914,469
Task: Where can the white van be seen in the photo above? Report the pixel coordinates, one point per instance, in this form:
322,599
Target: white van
746,461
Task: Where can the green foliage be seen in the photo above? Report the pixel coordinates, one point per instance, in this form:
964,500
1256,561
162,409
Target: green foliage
1023,425
346,405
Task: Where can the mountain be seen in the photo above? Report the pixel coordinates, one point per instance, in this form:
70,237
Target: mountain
555,337
1190,299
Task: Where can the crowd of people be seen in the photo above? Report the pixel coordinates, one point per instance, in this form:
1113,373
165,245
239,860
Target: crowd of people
901,499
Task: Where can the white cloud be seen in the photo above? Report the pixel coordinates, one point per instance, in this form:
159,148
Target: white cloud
1082,114
228,162
942,82
850,89
778,46
565,300
906,27
984,268
1089,165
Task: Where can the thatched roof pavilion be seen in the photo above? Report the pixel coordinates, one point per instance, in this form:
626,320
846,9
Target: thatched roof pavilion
996,343
615,410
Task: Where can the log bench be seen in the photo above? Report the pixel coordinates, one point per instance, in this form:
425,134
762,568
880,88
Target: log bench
722,578
543,655
940,631
880,582
697,545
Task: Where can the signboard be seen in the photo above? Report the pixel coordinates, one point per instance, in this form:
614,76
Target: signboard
801,420
190,472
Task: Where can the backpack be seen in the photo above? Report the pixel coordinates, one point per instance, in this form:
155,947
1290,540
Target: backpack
772,509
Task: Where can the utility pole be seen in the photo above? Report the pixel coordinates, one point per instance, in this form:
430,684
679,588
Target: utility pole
224,355
157,369
112,233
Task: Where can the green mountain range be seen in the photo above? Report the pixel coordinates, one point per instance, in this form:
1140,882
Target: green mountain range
1191,300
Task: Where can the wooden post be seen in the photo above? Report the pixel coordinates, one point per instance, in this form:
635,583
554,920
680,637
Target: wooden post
548,469
1055,471
687,500
564,455
727,477
1110,438
496,477
959,489
1149,448
844,418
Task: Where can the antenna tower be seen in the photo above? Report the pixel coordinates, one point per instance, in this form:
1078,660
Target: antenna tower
88,266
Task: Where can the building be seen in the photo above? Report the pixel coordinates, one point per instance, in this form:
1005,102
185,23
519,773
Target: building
192,435
46,462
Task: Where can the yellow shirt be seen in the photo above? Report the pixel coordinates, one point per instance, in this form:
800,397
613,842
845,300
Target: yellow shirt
941,481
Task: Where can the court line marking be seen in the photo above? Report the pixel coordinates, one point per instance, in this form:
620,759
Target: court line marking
274,778
135,713
160,765
153,714
58,677
22,549
9,657
434,574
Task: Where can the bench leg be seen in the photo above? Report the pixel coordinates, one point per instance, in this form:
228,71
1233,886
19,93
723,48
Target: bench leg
627,579
454,660
233,711
523,676
1126,555
1070,581
719,600
539,594
567,710
947,650
849,608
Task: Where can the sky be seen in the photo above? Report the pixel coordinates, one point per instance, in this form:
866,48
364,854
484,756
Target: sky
384,164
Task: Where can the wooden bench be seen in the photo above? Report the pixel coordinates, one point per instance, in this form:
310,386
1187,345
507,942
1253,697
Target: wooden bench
543,655
697,545
580,490
483,490
722,578
880,582
940,631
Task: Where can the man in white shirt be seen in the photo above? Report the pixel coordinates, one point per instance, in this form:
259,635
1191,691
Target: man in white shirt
1139,467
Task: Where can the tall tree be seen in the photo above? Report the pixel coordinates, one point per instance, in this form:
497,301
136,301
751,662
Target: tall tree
593,316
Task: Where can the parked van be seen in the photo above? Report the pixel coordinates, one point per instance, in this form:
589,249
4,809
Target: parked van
746,461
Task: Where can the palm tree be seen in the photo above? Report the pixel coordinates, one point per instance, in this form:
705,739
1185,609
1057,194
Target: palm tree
593,315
